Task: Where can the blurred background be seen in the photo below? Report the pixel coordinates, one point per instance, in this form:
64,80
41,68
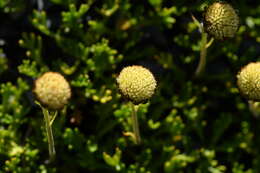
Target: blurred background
190,125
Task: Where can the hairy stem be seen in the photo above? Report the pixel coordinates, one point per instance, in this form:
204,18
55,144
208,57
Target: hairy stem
135,125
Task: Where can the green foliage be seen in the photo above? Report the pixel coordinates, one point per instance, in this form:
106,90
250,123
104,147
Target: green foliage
189,126
28,68
3,62
114,160
12,111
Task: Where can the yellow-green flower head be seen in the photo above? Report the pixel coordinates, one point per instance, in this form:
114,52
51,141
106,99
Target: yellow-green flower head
136,83
248,81
52,90
221,20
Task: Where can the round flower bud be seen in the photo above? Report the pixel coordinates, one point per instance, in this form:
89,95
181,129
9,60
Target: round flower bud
52,90
248,81
221,20
136,83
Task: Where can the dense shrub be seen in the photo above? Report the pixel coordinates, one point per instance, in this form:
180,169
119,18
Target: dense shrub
191,125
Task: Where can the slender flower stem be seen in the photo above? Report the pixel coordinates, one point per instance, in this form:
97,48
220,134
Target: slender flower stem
203,47
135,125
254,108
203,54
210,42
48,119
53,117
48,127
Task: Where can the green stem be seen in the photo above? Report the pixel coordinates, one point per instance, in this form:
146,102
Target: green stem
254,108
135,125
49,133
53,117
203,54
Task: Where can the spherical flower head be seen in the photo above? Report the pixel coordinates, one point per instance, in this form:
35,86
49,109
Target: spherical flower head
136,83
221,20
248,81
52,90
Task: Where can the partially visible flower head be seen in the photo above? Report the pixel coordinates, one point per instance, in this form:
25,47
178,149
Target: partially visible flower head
248,81
221,20
52,90
136,83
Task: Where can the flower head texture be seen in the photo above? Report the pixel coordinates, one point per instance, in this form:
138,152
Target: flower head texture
52,90
248,81
136,83
221,20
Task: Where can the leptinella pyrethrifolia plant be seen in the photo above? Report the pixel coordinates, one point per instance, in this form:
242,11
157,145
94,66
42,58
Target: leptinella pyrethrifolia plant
248,81
137,84
148,86
220,21
53,92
